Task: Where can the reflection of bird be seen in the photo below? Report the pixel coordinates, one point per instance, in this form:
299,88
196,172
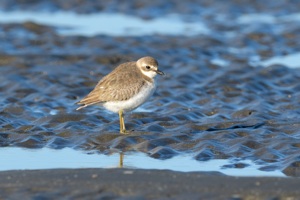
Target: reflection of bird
121,161
125,88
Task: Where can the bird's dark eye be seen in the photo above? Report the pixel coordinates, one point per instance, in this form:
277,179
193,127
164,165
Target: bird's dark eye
148,67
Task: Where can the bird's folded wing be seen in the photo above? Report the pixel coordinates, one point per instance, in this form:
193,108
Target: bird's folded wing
114,88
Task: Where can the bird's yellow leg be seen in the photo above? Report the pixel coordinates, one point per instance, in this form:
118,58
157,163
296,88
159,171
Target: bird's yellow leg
122,123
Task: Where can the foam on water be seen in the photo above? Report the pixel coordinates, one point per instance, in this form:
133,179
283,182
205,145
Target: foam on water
115,24
28,159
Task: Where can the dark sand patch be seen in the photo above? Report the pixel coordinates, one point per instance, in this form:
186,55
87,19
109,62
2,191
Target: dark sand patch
141,184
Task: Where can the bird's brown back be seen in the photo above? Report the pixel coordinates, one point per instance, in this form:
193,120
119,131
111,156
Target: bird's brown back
121,84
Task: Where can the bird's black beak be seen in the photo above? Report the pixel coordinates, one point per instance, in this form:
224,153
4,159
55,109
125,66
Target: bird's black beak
159,72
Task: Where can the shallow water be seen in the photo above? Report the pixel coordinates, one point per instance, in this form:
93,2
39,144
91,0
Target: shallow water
29,159
291,60
231,95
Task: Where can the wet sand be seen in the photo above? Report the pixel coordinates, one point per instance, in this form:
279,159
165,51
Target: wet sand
141,184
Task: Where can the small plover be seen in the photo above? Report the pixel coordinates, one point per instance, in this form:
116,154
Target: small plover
124,89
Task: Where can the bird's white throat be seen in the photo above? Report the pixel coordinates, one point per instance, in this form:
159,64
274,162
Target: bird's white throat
151,74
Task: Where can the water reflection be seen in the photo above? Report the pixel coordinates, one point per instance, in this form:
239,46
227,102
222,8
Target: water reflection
121,160
114,24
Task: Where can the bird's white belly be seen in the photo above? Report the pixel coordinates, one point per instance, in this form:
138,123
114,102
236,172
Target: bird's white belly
133,102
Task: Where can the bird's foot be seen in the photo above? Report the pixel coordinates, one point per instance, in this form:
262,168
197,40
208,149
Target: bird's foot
123,131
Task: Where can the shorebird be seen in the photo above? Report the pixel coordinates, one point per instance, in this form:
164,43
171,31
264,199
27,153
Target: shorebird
124,89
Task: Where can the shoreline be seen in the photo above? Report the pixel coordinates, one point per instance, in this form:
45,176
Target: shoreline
141,184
